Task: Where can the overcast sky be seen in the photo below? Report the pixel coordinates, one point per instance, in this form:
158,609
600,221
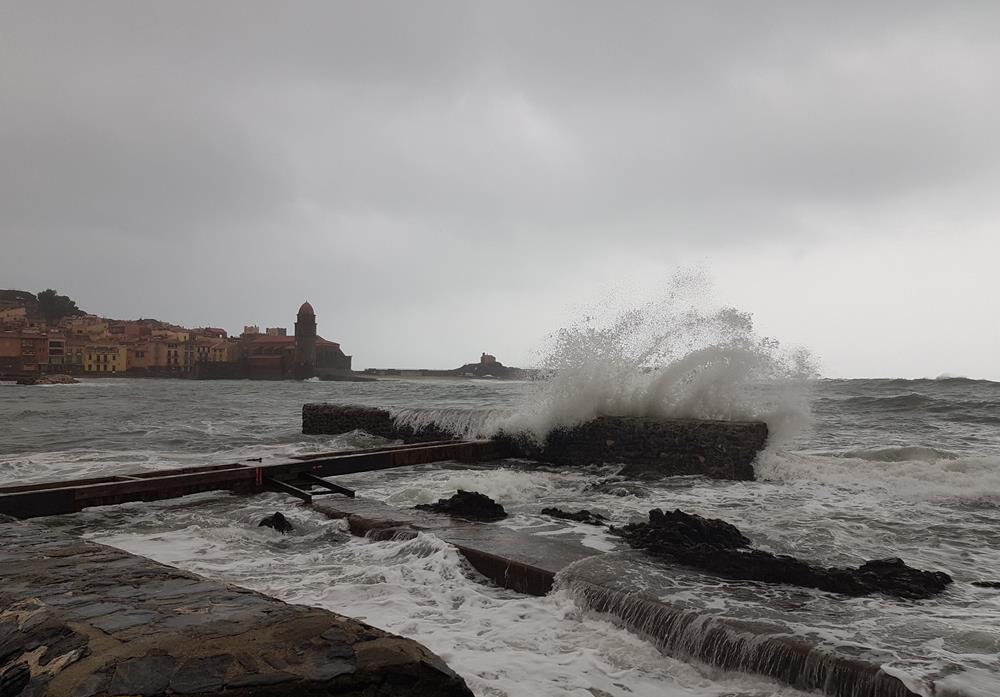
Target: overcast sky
442,179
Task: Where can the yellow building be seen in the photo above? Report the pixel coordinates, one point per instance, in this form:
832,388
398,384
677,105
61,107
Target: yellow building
223,351
104,359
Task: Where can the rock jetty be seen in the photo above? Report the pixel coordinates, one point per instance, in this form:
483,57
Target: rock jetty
48,380
716,546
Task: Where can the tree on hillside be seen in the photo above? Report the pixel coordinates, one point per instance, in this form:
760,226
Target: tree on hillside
54,306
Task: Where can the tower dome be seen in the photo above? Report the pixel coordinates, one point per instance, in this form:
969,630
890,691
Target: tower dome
306,309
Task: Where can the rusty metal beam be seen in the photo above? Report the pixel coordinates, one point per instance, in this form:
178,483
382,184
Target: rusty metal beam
54,498
289,489
319,481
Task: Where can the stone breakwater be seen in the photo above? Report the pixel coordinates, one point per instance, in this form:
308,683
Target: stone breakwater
79,619
647,447
651,447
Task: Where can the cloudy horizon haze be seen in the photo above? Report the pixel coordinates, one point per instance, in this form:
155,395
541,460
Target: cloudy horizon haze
441,179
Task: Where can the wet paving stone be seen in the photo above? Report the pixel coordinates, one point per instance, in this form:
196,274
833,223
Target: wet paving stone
129,626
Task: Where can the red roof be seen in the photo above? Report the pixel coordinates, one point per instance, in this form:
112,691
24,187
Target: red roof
268,339
306,309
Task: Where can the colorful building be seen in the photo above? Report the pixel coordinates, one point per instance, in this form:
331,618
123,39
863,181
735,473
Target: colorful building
105,358
23,353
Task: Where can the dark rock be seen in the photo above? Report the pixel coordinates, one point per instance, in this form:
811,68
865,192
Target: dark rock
681,530
467,504
581,516
716,546
987,584
278,522
14,679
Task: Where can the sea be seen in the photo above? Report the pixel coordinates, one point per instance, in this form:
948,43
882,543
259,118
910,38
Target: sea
855,470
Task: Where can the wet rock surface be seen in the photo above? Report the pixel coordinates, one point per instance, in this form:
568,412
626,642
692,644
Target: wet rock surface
717,547
581,516
80,619
278,522
470,505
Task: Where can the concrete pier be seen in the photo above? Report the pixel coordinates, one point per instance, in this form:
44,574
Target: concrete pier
521,562
79,619
647,447
651,447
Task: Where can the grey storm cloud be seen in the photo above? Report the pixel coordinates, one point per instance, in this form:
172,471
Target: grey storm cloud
373,149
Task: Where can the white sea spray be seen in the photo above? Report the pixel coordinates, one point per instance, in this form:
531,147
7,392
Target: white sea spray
675,356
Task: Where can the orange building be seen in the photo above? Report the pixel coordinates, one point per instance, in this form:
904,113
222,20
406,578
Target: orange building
23,353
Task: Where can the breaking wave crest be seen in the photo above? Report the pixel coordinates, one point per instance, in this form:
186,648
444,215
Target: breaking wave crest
672,357
675,356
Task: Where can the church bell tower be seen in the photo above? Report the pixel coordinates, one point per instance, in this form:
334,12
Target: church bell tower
305,342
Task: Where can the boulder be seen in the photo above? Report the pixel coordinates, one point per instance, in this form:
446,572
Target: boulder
470,505
278,522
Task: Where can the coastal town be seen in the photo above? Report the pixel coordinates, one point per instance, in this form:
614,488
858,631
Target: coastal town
46,335
35,340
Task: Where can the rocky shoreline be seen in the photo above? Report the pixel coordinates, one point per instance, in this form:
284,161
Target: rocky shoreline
58,379
715,546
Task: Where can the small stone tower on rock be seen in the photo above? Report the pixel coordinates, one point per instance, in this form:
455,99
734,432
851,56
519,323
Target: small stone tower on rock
305,342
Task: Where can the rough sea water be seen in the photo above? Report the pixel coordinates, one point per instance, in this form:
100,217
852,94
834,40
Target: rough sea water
855,470
891,468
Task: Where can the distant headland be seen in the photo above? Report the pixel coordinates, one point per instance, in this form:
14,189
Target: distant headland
47,334
487,368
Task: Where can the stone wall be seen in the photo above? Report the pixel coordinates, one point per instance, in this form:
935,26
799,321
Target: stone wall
335,418
647,447
653,447
81,619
